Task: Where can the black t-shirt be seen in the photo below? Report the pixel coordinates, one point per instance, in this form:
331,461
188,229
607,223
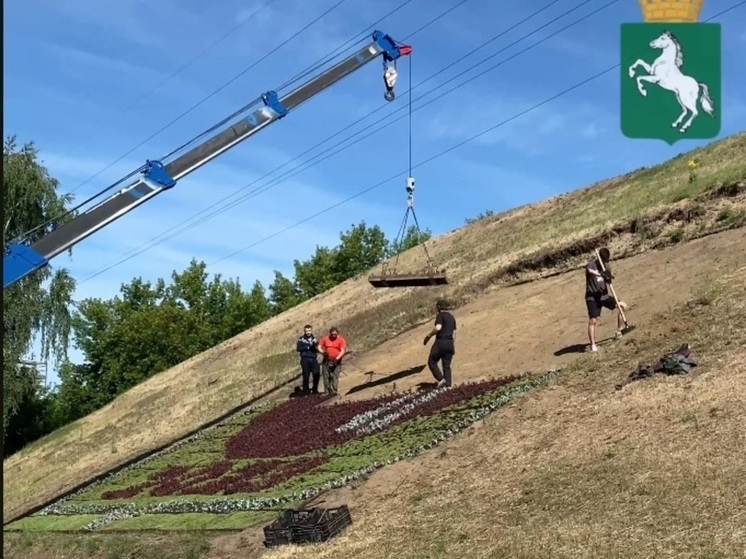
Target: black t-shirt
595,286
447,325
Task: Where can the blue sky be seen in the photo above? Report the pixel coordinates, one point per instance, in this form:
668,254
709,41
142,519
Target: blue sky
85,81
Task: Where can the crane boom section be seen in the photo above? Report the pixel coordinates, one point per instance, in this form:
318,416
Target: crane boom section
21,259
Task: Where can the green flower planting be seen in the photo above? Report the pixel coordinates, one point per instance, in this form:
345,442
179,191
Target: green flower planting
277,455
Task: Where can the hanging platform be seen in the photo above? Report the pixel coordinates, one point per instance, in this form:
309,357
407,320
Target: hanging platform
427,278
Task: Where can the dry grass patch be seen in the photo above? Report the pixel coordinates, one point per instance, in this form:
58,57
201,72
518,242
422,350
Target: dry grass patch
580,470
208,385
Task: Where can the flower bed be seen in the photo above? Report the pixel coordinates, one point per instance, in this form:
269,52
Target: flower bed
291,452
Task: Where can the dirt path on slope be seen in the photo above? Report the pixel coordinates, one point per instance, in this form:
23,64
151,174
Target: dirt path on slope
519,329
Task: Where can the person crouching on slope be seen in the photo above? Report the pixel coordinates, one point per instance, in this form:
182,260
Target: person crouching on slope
307,347
598,276
444,348
332,347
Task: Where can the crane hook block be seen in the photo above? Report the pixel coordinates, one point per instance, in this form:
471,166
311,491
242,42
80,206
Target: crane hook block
389,80
410,185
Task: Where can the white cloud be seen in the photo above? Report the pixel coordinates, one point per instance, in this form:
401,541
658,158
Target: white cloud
543,129
83,64
590,130
588,51
140,22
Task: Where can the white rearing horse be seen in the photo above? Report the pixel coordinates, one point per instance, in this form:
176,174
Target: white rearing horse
665,71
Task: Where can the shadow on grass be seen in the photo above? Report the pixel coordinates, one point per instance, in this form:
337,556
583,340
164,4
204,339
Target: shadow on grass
383,380
579,348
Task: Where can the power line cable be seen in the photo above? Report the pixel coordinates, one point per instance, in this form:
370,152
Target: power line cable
178,71
403,108
218,90
295,171
263,188
450,149
140,169
420,164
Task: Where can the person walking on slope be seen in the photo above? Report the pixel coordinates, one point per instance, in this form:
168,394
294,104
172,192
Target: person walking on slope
598,276
307,347
333,347
443,349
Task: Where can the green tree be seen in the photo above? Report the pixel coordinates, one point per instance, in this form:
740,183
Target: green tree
148,328
361,248
318,274
33,417
35,308
283,293
412,238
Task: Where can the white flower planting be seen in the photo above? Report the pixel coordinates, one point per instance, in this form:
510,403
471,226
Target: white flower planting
374,424
364,422
365,418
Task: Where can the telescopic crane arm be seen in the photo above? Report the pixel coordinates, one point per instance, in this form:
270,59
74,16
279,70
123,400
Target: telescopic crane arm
21,259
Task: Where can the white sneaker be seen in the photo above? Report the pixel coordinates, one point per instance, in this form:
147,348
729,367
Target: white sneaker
593,349
441,383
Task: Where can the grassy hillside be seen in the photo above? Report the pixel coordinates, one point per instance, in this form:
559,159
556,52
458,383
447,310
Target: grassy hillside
644,209
560,471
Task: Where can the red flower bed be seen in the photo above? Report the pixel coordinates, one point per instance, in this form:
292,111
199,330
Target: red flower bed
299,426
296,427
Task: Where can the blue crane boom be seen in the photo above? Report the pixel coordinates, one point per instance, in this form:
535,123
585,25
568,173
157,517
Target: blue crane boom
22,258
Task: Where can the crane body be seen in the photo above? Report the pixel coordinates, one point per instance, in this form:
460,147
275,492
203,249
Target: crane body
21,258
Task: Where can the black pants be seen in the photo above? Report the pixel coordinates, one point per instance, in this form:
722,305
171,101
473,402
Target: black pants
310,366
442,350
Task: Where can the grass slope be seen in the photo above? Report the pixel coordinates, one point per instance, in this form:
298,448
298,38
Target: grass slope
575,470
580,470
643,209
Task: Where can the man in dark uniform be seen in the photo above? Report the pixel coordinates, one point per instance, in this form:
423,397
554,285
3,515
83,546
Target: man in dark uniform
443,349
597,277
307,347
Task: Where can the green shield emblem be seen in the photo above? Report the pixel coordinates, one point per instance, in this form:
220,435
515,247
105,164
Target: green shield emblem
670,78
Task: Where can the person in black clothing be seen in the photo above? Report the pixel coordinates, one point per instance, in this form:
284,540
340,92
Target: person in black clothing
597,277
307,347
444,348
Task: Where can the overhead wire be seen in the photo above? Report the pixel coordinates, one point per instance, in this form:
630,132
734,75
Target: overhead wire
141,168
221,88
323,61
175,73
140,250
451,148
339,146
385,181
304,73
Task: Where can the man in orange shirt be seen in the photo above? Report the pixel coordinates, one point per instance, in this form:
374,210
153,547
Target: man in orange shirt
333,348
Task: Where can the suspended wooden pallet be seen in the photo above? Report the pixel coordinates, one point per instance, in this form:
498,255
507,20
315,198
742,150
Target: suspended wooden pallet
427,278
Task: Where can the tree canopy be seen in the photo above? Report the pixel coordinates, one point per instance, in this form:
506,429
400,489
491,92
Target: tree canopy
35,308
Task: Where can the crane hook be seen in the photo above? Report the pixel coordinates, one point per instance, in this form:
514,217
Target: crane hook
389,79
